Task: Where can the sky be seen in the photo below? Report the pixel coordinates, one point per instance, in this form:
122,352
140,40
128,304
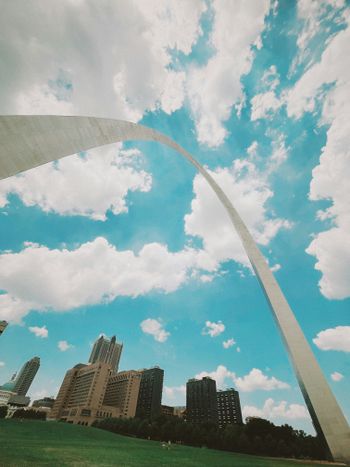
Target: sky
128,240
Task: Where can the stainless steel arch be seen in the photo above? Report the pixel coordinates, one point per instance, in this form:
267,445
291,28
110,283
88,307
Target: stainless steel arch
30,141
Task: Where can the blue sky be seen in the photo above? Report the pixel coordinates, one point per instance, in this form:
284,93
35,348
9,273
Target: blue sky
128,240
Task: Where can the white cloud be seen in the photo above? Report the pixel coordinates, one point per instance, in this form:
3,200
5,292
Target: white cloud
337,338
264,105
39,331
38,278
87,186
59,61
336,376
2,364
270,79
215,88
220,375
256,380
248,190
275,267
330,178
238,349
213,329
277,410
155,328
229,343
175,393
64,346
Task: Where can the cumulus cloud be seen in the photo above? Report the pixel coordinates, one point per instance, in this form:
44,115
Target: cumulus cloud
64,346
229,343
155,328
337,338
336,376
38,278
276,410
248,190
2,364
264,105
39,331
214,329
88,185
175,394
215,88
255,380
328,83
57,59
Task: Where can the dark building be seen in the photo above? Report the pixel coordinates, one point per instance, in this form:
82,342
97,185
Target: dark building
150,393
106,351
229,407
167,410
46,402
3,325
201,406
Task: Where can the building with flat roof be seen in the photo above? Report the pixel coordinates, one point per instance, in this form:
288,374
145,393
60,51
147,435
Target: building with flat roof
150,394
201,405
106,351
80,398
122,392
229,407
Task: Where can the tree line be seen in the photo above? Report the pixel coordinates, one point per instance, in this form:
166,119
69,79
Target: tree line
257,436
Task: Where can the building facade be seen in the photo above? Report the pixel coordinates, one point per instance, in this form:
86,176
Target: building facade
45,402
20,382
106,351
229,408
167,410
201,404
3,325
80,398
150,394
122,392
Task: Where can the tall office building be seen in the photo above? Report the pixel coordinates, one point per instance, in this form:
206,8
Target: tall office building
229,408
80,398
122,392
106,351
21,382
150,394
3,325
201,405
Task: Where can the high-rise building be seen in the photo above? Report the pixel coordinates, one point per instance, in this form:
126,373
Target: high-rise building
229,407
122,392
106,351
150,394
3,325
201,405
80,398
20,382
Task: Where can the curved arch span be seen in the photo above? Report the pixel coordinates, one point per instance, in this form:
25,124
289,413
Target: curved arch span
30,141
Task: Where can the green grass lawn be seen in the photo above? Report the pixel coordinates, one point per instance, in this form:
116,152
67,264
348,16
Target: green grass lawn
59,444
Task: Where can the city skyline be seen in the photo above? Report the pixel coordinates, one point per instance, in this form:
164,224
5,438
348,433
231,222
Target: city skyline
273,157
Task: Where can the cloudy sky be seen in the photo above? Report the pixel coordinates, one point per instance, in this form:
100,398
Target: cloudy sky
128,239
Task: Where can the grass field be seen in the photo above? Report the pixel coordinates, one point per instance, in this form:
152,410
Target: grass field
37,443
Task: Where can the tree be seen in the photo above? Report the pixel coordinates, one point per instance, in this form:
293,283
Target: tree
3,411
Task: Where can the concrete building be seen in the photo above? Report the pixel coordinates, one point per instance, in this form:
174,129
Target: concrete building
150,394
46,402
167,410
3,325
80,398
20,383
180,411
106,351
122,392
5,396
229,408
201,405
30,141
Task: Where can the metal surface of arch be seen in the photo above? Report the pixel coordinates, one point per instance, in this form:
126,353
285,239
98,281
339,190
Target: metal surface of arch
30,141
